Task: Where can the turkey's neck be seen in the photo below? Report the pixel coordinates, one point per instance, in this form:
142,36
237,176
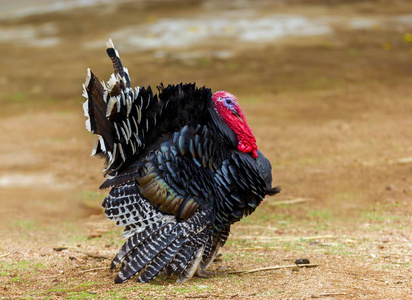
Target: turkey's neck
223,129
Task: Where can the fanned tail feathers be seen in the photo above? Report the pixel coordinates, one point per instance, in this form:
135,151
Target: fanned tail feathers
117,63
116,114
126,120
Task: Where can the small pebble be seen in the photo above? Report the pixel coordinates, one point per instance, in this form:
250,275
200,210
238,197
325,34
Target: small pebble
302,261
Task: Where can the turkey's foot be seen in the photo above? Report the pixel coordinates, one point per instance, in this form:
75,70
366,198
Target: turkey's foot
218,257
200,272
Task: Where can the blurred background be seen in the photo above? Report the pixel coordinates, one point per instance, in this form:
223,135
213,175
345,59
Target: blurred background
326,86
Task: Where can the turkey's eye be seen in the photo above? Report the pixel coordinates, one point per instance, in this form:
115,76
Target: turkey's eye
229,103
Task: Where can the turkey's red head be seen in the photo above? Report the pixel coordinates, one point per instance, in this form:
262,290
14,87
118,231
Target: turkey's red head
227,107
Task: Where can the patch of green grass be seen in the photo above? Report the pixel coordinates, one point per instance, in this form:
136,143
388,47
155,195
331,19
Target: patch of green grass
86,285
27,224
18,97
39,266
262,259
394,266
380,216
4,268
32,297
243,254
233,66
322,214
205,62
321,82
320,217
158,285
16,279
290,245
58,289
91,198
266,217
78,239
191,289
18,272
81,295
113,295
386,215
73,290
346,196
22,265
353,52
341,249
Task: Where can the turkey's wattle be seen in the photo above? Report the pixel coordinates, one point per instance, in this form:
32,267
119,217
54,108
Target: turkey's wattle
228,108
183,166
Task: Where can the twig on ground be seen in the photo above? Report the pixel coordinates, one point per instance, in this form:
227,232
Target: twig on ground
4,255
398,254
286,202
94,255
291,238
76,249
259,248
61,248
328,294
405,160
215,296
94,269
273,268
248,226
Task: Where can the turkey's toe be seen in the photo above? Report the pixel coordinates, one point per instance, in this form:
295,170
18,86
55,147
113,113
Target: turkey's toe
204,273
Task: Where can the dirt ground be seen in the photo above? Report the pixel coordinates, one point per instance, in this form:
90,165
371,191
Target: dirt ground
332,112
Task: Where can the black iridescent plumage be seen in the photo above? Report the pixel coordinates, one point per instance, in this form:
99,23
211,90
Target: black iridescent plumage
177,179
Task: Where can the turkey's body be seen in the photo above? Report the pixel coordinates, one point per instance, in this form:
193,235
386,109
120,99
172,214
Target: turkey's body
179,173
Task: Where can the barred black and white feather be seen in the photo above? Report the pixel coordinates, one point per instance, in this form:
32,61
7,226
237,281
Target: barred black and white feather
177,180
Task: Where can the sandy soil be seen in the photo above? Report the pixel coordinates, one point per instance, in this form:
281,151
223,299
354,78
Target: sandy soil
332,111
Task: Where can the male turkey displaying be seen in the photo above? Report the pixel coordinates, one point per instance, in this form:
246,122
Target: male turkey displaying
182,165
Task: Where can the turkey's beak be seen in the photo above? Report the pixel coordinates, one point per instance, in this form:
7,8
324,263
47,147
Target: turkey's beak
234,111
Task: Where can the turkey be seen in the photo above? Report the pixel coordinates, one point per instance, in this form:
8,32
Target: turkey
182,165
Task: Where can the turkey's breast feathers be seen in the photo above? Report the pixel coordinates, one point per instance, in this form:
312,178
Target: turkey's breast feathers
194,167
